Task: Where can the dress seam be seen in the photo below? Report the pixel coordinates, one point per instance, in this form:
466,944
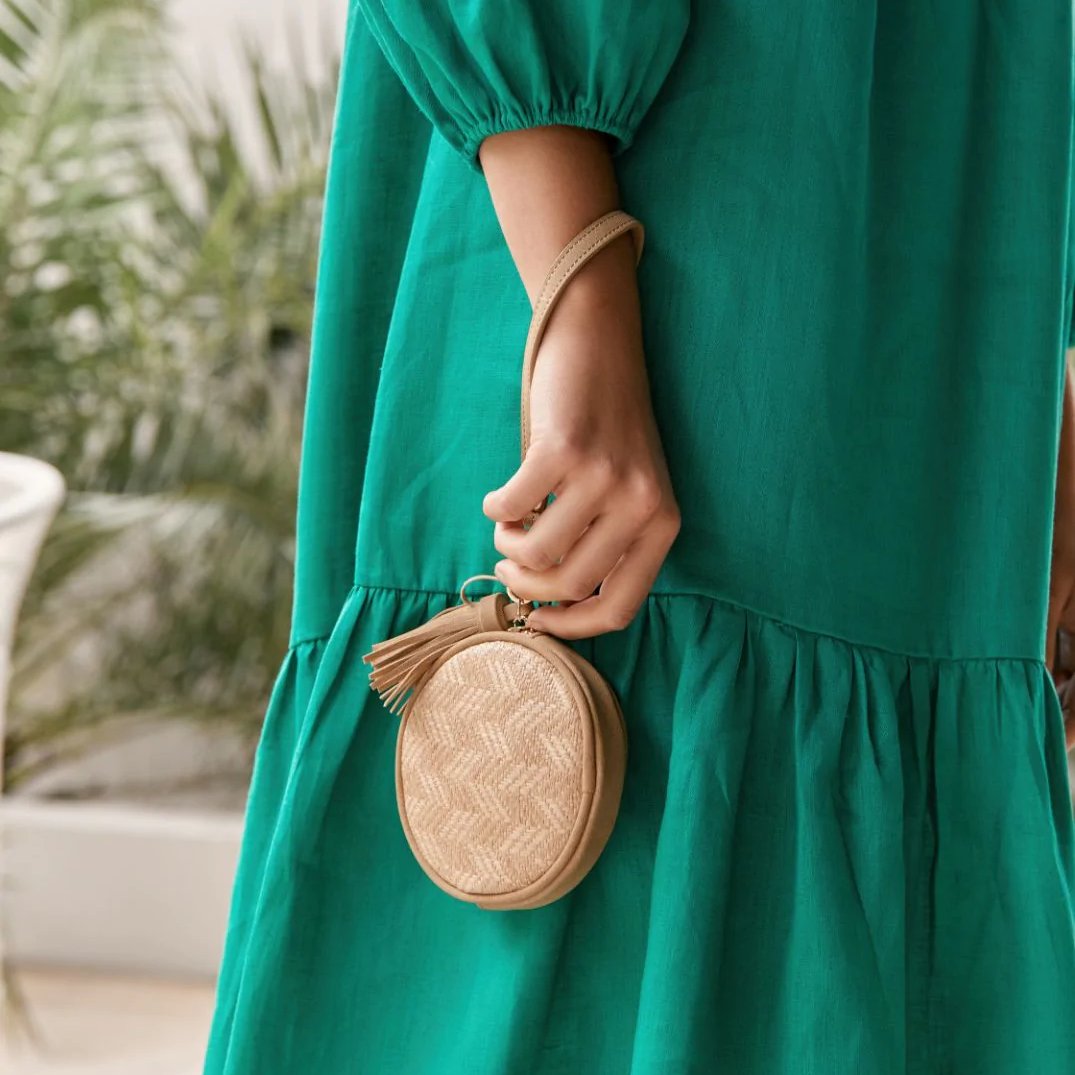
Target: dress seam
421,590
310,641
748,610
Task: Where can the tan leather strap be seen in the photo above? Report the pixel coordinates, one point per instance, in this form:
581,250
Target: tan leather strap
593,238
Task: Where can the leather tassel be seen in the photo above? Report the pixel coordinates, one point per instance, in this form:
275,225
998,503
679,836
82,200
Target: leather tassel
398,663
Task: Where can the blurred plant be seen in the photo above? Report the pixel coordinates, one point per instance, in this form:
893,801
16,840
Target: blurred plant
156,282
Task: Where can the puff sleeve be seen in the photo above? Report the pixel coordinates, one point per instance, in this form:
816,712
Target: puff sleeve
479,67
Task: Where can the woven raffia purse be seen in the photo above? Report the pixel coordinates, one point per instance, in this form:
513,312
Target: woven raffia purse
512,747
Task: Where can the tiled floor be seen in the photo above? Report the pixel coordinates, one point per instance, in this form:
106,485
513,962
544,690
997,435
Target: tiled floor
89,1024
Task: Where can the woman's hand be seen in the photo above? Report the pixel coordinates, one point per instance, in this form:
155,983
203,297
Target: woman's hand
1062,576
594,443
593,440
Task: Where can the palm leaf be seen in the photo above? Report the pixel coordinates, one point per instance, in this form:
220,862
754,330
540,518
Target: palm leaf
157,317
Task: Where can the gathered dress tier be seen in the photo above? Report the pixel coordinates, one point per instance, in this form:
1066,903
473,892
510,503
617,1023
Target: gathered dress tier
845,845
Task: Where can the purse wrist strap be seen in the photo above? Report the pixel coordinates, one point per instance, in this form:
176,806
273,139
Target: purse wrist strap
593,238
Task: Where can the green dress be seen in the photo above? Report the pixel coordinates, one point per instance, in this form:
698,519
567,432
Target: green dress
846,840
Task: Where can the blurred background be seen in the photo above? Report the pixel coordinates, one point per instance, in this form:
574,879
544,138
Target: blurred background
161,173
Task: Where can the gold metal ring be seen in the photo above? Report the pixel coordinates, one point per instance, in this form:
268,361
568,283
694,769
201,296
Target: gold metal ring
492,578
463,589
515,597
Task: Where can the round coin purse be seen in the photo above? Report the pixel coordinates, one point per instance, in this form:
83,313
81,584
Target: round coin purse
512,747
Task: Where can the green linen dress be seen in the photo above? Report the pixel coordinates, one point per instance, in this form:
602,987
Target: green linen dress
846,839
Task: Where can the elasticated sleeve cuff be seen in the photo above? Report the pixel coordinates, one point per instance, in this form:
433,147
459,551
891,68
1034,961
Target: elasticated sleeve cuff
481,67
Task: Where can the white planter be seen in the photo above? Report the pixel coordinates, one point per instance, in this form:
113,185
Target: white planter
30,495
116,887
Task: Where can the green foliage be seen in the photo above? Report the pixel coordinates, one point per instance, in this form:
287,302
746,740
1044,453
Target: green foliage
156,285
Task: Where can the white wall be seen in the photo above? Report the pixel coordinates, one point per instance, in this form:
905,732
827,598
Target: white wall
208,27
210,36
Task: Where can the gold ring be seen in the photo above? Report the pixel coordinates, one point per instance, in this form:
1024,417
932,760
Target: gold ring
492,578
463,589
516,598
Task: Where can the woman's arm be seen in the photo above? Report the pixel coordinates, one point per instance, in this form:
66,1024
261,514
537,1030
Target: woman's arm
547,184
520,89
1062,575
594,440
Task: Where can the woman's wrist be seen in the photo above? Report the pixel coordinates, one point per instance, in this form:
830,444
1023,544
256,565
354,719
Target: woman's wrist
547,184
606,290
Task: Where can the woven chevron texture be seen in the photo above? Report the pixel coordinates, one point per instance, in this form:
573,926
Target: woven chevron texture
491,767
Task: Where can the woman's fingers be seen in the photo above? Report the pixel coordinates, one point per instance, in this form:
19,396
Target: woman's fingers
622,592
558,530
553,535
591,559
538,475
